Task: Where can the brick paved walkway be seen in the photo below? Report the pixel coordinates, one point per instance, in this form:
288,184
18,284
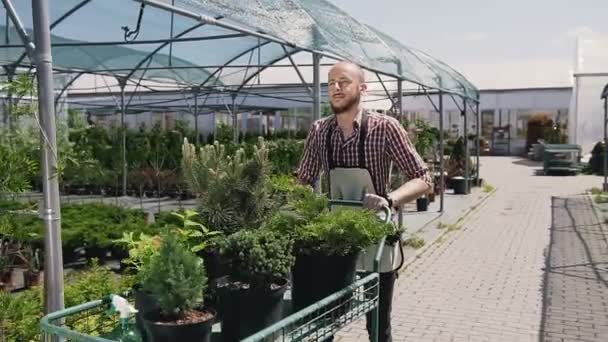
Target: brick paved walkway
485,281
576,291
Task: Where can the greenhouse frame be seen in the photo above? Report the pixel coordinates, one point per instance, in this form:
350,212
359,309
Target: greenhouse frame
204,47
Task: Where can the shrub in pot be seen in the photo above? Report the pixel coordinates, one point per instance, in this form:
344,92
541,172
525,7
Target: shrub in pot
259,264
327,250
141,251
175,278
326,243
233,190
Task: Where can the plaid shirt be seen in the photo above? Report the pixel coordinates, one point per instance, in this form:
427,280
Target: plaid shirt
386,142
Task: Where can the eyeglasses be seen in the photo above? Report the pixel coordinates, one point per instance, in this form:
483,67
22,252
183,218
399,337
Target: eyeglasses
341,83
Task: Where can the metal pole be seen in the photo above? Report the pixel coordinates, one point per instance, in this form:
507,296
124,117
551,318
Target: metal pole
235,125
441,152
122,82
399,113
195,91
316,92
466,148
478,128
10,72
53,259
605,185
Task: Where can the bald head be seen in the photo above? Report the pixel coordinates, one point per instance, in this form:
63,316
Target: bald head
350,68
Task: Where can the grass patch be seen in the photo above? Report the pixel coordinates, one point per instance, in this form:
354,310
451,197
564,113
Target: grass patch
453,227
414,242
488,187
595,191
601,198
442,225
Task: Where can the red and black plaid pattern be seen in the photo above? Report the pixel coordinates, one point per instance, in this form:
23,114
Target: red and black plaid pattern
386,142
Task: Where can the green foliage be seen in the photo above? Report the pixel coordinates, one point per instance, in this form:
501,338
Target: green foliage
175,277
88,225
306,218
258,257
224,134
234,191
426,135
195,234
341,232
299,199
595,191
19,157
17,168
285,155
20,313
488,187
141,250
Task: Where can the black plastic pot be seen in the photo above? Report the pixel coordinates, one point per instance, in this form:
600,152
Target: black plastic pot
246,311
171,332
145,304
459,184
316,277
422,204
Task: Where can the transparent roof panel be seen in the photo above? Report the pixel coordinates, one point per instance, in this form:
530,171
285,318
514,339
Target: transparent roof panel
89,36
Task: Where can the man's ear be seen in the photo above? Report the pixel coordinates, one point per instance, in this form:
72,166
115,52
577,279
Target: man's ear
363,88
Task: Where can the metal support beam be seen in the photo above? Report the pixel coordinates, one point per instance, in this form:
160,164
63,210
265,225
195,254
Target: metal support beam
388,94
605,185
53,259
295,66
235,123
195,92
27,42
59,20
441,154
160,47
467,185
399,112
259,71
139,42
428,96
316,90
122,82
478,128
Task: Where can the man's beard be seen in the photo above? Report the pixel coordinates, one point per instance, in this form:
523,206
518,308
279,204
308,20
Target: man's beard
348,105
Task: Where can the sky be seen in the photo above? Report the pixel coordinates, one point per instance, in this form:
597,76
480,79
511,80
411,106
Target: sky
495,44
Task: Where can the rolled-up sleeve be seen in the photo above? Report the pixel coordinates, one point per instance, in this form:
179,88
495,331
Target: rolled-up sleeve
403,153
310,165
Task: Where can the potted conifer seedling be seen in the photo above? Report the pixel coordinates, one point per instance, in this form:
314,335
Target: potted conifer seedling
175,278
259,264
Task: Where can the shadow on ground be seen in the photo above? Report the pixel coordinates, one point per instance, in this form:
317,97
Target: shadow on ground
528,162
575,291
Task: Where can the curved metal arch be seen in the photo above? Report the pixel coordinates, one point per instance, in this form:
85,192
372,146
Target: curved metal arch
58,21
232,60
259,71
161,46
67,85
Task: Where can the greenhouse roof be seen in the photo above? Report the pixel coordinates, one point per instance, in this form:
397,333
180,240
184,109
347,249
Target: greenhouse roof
212,43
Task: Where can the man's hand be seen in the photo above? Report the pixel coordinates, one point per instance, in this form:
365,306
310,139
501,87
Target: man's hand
374,202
